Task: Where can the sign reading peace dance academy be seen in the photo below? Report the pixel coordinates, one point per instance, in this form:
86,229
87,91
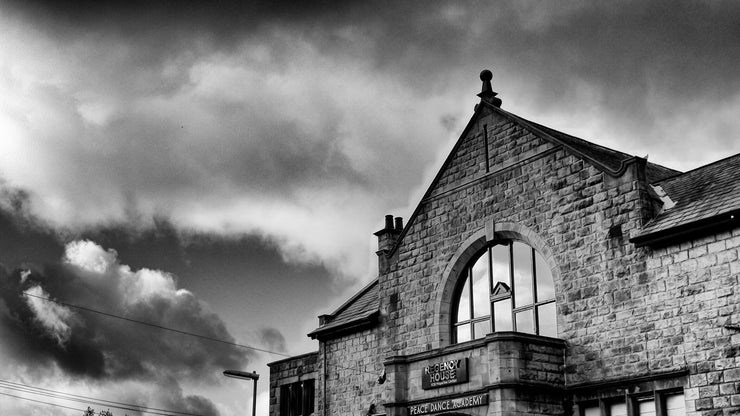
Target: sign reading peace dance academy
444,373
447,405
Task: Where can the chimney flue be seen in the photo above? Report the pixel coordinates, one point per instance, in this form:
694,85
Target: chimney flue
399,224
388,222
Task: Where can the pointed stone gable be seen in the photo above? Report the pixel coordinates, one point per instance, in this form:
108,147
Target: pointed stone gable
490,144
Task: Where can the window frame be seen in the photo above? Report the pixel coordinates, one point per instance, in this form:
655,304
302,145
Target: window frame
632,402
298,398
467,282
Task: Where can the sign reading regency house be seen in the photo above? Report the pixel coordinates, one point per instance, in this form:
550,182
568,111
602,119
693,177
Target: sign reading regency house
448,404
444,373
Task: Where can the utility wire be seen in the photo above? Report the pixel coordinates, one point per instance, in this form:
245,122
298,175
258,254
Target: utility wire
155,325
83,308
39,401
86,399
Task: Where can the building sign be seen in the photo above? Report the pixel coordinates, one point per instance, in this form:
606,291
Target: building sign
444,373
447,405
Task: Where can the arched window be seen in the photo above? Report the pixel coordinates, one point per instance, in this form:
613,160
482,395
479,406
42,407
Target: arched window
507,287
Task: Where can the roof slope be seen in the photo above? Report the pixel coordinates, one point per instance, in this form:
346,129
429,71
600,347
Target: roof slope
360,310
701,196
611,160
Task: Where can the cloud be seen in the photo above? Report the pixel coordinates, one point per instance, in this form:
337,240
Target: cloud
44,340
53,317
298,123
272,339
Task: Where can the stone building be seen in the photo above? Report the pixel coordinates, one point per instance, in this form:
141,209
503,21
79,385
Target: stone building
540,274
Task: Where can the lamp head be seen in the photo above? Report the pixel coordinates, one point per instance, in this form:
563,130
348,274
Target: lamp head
242,374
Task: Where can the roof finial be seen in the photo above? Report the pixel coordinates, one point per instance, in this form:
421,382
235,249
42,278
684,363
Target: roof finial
487,93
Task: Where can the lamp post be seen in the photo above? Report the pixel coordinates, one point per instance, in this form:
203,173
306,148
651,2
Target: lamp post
244,375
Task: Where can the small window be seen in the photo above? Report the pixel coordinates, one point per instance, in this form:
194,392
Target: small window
297,399
508,287
673,405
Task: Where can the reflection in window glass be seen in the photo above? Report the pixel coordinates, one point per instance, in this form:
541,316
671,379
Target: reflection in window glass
618,409
463,333
547,320
502,315
482,328
592,411
525,321
646,408
675,405
545,286
463,308
480,288
522,275
501,264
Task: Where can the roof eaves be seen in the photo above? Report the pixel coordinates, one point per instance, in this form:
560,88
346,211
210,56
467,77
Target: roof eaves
681,232
365,321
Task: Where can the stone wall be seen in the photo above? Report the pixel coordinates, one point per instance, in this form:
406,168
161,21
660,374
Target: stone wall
625,311
687,304
291,370
353,364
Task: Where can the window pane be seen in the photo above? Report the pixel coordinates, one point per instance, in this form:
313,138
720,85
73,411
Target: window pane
675,405
522,275
481,289
525,321
463,308
482,328
618,409
501,267
646,408
592,411
502,315
463,333
308,393
547,320
545,286
285,400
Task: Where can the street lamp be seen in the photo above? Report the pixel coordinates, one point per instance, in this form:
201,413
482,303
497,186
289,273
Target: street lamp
244,375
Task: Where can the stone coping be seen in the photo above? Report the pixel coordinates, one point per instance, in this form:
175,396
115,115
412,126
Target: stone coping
478,343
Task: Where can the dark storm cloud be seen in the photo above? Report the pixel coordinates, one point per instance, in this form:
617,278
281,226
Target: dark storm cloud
273,339
676,45
24,238
91,345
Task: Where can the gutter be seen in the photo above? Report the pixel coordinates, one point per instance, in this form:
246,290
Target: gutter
718,223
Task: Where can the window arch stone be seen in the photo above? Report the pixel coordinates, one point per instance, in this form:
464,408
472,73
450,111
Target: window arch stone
472,247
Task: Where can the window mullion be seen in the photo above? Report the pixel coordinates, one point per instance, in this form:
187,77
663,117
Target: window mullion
470,295
490,287
511,285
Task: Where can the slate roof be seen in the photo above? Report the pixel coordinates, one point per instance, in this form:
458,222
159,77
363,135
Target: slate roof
707,194
360,309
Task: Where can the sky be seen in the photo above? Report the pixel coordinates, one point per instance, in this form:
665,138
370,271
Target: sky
219,167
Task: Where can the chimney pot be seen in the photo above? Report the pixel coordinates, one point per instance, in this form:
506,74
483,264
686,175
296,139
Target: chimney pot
389,222
399,224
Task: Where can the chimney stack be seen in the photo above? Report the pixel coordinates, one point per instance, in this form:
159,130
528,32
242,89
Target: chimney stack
387,238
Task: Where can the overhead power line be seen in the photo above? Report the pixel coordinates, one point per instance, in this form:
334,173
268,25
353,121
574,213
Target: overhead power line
56,394
110,315
42,402
83,308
